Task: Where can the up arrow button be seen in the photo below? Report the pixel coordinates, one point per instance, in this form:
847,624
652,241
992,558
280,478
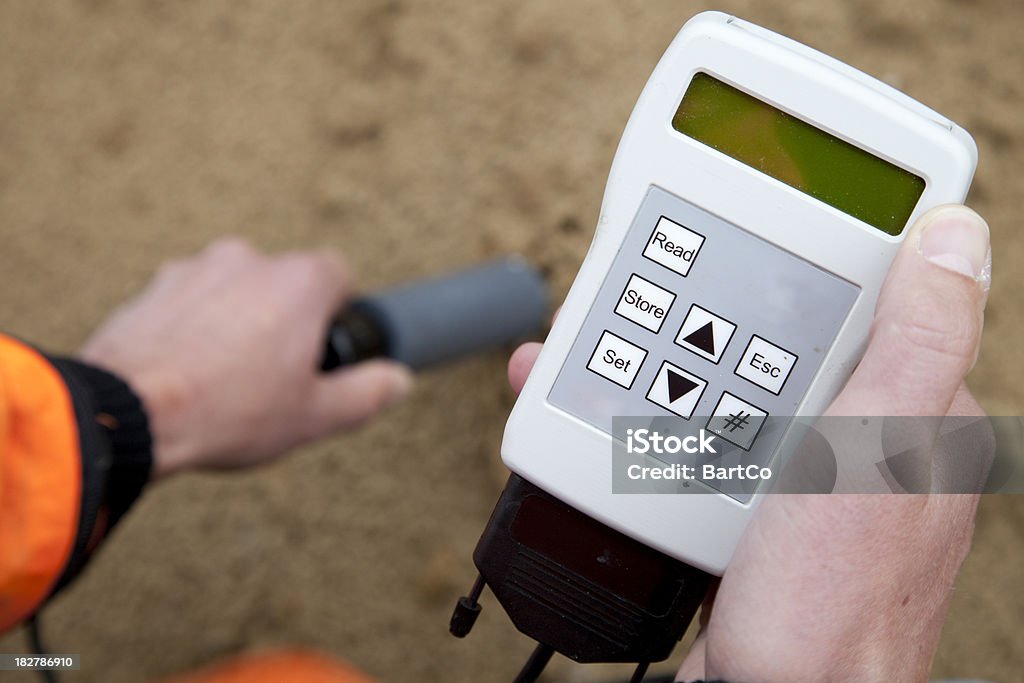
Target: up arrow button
705,333
703,338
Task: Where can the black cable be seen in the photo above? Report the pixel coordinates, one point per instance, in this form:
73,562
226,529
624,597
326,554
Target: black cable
638,676
477,590
35,640
534,666
638,672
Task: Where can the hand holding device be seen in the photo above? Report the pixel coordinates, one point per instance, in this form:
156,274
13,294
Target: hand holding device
757,198
844,587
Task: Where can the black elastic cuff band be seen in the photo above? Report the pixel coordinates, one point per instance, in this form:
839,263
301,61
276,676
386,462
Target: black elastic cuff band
131,443
116,448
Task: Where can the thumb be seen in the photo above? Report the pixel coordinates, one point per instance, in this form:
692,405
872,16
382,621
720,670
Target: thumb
927,328
350,396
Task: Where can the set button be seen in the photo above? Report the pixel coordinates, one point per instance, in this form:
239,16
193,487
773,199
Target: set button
645,303
766,365
616,359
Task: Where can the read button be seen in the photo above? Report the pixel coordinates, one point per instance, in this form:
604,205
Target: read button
766,365
616,359
673,246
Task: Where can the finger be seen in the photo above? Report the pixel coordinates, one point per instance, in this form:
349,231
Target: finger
964,404
228,253
927,327
337,274
229,247
351,396
520,364
963,462
694,666
523,360
323,273
220,261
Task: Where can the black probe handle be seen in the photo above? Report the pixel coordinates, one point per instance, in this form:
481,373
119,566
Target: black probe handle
427,323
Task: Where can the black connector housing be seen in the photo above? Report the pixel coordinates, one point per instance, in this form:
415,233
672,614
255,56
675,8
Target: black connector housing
580,587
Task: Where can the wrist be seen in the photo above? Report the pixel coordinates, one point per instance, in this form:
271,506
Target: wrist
875,642
166,400
162,399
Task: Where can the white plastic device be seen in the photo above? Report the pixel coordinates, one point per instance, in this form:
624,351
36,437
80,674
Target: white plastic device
556,437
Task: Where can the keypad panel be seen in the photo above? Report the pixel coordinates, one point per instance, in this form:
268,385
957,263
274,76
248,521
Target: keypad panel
700,319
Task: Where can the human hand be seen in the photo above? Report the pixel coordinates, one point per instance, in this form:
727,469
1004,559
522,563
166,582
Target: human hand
224,350
856,587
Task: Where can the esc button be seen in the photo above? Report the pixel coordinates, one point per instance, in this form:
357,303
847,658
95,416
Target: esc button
766,365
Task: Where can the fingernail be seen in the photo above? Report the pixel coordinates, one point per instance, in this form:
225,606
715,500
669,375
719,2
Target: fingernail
957,239
401,384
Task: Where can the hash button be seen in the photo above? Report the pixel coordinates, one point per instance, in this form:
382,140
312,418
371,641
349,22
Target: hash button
736,421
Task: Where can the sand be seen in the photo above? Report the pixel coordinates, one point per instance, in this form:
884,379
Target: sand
417,137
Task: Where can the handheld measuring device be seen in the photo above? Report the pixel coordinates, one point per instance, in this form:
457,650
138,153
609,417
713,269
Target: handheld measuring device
757,197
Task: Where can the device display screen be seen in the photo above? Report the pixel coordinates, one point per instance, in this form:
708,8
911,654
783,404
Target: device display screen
804,157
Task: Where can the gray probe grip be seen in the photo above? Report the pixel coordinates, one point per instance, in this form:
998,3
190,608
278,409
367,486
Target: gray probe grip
434,321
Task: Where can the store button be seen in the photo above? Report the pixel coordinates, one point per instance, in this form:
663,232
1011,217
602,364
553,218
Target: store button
645,303
766,365
617,360
673,246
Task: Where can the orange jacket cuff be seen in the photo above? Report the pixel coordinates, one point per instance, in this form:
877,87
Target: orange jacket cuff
40,480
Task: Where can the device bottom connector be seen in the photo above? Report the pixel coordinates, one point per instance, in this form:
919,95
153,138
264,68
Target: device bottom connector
577,586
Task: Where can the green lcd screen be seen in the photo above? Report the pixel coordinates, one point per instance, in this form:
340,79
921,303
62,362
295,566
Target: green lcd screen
804,157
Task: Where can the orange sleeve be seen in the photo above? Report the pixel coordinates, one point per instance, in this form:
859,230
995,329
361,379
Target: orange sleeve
300,666
40,480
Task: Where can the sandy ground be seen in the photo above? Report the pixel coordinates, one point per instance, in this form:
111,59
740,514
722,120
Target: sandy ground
417,137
